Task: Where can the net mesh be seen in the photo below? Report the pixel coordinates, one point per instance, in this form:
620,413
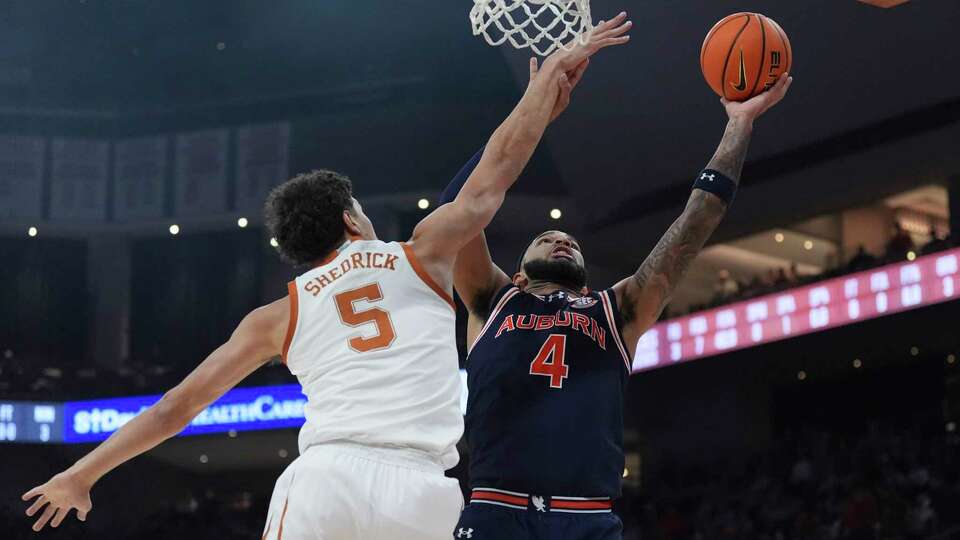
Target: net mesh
542,25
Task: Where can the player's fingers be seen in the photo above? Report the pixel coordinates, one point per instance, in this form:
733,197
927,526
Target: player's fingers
82,514
58,518
781,82
47,514
622,16
32,493
612,41
610,27
533,68
37,505
780,89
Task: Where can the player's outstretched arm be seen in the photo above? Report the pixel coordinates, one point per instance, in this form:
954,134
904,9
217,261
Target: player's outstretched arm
257,338
440,236
643,295
475,276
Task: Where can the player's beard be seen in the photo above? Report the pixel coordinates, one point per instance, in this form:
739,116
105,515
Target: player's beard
561,272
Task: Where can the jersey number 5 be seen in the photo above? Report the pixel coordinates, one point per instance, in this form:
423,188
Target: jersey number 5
346,306
550,360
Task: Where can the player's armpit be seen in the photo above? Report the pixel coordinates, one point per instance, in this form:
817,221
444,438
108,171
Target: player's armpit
477,278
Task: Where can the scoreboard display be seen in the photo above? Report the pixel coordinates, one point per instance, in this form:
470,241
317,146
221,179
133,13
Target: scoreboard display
828,304
31,422
75,422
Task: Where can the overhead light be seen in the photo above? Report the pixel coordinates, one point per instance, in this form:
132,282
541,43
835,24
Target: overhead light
951,427
221,46
242,222
808,245
951,359
857,363
232,434
914,351
626,472
204,458
283,453
778,238
911,256
556,213
174,229
32,231
423,204
274,243
802,375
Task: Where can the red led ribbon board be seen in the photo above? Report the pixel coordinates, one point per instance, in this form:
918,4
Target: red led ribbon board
804,310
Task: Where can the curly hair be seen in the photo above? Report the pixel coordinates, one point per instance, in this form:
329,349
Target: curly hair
305,215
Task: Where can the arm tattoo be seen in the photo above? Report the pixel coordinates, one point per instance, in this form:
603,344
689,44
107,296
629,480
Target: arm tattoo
666,265
732,151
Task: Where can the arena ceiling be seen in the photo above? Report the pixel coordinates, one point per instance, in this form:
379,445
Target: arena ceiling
875,106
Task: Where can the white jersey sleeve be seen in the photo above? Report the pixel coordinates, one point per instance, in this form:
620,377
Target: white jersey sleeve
372,342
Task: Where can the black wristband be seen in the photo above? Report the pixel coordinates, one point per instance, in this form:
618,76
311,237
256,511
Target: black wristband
715,182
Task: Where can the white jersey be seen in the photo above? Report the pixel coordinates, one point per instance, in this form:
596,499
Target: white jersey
372,342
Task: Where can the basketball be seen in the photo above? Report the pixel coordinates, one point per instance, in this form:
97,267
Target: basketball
744,54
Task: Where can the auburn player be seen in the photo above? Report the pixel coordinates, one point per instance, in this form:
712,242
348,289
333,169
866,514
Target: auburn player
369,333
549,359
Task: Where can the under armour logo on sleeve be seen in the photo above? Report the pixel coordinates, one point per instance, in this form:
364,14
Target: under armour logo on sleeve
465,533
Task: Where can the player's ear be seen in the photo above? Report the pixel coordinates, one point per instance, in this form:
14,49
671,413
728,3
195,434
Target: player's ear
520,280
351,225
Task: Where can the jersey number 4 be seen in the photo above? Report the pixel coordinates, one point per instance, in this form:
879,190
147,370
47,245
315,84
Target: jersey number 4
550,361
347,307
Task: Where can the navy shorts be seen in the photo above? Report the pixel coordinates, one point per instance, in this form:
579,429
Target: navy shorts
489,522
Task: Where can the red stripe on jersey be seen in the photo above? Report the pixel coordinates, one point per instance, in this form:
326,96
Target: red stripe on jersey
499,497
581,505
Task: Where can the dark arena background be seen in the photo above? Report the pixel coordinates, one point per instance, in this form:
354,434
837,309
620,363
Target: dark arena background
803,383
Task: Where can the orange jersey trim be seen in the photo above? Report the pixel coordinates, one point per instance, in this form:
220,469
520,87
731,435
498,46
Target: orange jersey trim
267,532
328,259
292,325
283,515
421,271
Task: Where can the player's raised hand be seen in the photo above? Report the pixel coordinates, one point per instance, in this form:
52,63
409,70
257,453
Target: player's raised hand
605,34
757,105
567,83
61,494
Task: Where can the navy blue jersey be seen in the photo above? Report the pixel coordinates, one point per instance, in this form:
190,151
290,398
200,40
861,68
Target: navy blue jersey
546,378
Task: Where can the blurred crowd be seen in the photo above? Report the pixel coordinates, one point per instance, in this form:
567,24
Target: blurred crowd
727,289
887,484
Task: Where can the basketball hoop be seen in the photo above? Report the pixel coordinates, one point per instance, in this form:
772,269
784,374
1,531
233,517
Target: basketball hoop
542,25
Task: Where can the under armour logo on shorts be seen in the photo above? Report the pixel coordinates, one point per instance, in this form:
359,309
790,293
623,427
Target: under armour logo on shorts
538,503
706,176
465,533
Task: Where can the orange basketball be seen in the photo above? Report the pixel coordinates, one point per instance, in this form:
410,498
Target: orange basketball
744,54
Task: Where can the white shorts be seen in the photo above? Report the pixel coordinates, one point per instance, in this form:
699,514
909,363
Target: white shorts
344,491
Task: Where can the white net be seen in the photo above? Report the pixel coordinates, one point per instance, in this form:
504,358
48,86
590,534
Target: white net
542,25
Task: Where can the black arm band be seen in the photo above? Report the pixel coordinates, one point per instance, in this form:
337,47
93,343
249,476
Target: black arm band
715,182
